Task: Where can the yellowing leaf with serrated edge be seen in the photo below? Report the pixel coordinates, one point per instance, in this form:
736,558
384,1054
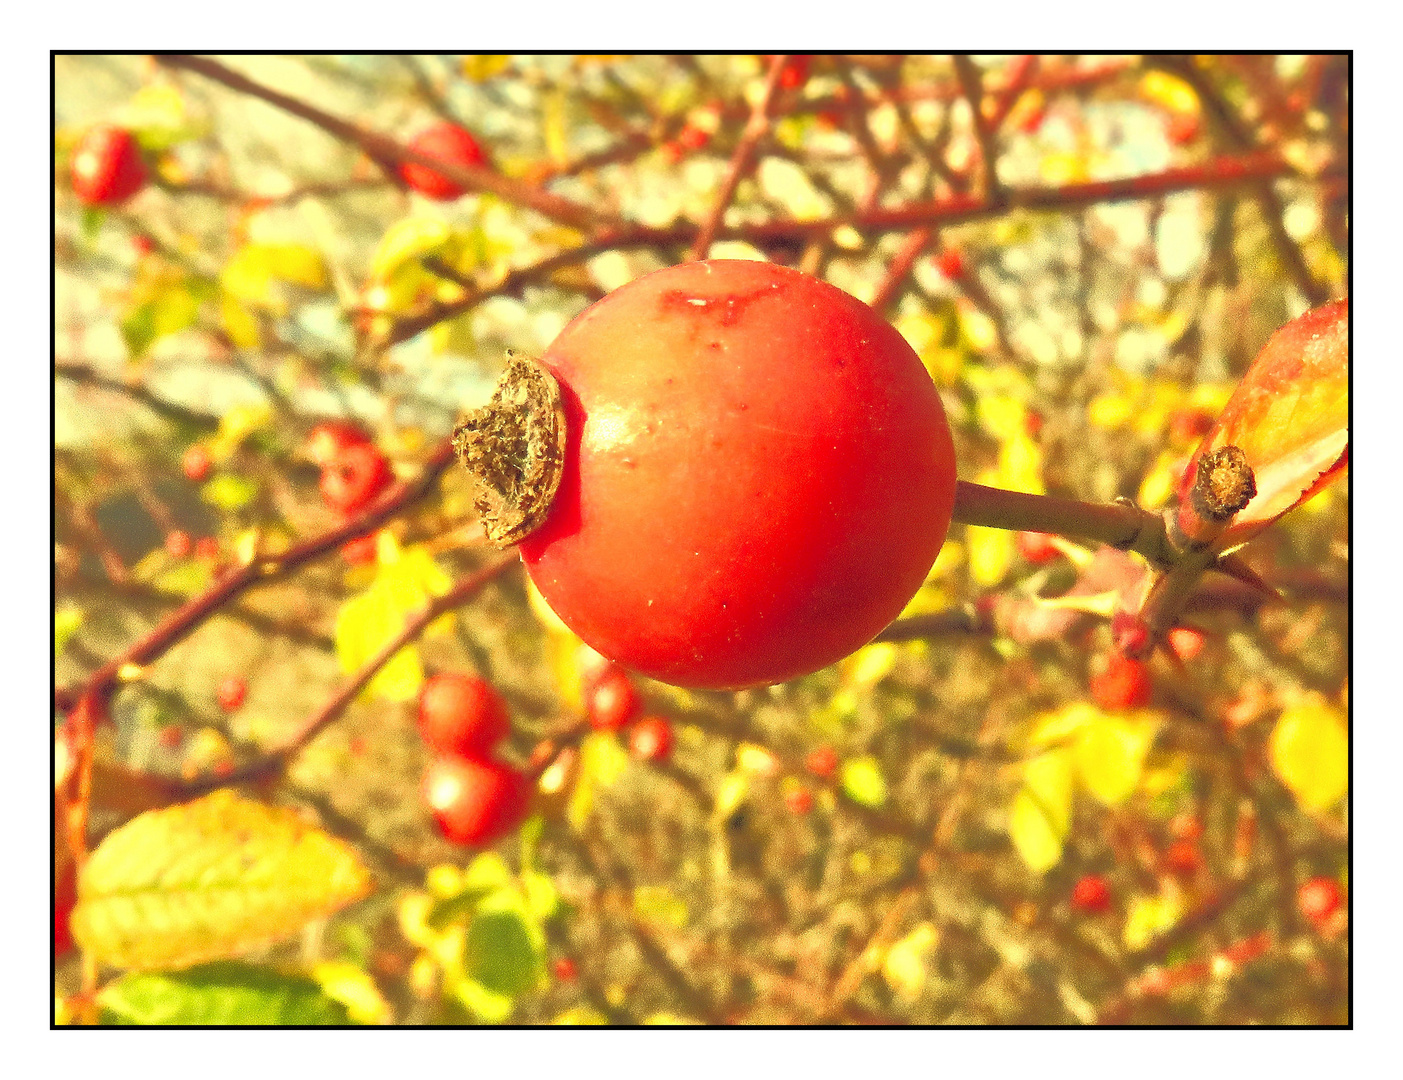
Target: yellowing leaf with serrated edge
1110,754
1310,753
209,880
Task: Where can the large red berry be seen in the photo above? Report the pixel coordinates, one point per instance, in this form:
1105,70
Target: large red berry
447,143
758,475
651,739
1091,894
612,702
107,166
462,714
354,477
1125,684
196,463
231,693
1318,899
475,802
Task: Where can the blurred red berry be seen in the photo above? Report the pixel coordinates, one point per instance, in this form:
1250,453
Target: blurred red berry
1037,547
444,142
231,693
361,551
1125,684
651,739
951,264
65,898
178,543
1183,858
612,702
1185,826
352,479
1188,426
1091,894
170,736
1318,899
799,800
462,714
822,762
207,547
196,463
1033,423
142,244
328,439
1183,128
475,802
107,166
565,970
796,70
1186,642
1129,634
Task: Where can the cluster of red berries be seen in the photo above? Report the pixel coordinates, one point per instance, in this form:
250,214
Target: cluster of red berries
612,702
475,798
354,473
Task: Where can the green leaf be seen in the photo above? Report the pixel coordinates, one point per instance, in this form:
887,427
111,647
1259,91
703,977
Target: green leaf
863,783
503,951
230,491
91,223
209,880
218,994
1310,753
1110,753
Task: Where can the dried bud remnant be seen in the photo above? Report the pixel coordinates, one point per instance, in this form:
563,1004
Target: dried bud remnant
514,447
1224,483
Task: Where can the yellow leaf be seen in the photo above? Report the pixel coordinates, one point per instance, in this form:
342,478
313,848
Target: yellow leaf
1110,411
254,269
905,965
1042,810
1170,92
991,553
1161,480
869,665
1310,753
602,762
208,880
1039,845
1002,416
1059,726
480,68
660,904
355,989
238,323
1020,465
1149,916
1111,753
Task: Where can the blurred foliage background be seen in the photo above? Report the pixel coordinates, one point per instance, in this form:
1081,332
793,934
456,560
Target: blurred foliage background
923,868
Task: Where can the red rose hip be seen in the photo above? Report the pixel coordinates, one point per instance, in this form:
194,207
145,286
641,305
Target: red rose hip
462,714
448,143
353,478
1091,894
475,802
757,475
651,739
612,702
107,166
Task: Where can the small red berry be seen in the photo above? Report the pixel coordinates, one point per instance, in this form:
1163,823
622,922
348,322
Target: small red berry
951,264
328,439
354,477
462,714
445,142
142,244
822,762
651,739
1186,642
1129,634
612,702
178,543
799,800
361,551
1037,547
1183,858
1125,684
1183,128
795,73
565,970
207,547
196,463
170,736
1318,899
231,693
475,802
1185,826
1091,894
107,166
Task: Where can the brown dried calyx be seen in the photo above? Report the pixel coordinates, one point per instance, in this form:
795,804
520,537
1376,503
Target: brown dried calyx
514,448
1224,483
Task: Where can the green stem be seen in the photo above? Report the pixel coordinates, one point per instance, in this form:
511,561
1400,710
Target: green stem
1120,525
